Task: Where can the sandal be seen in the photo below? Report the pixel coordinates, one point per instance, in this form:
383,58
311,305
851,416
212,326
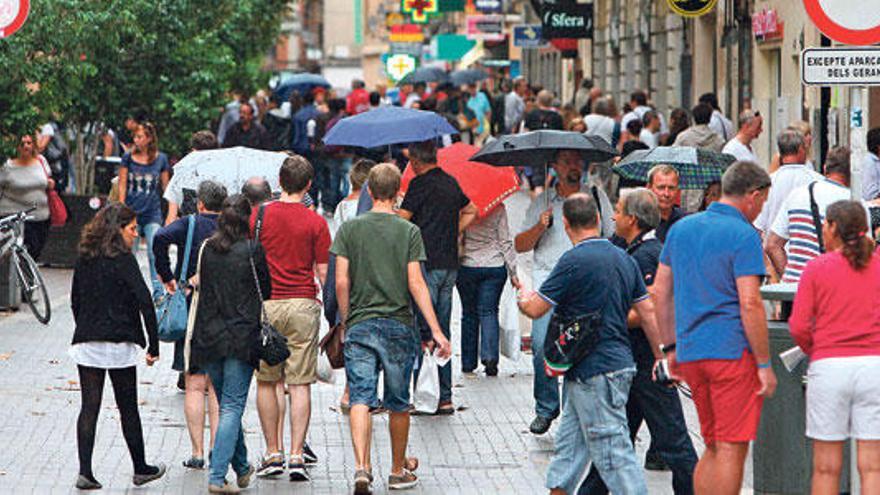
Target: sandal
403,481
194,463
362,481
445,409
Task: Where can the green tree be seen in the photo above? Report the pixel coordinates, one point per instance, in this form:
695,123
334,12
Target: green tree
92,63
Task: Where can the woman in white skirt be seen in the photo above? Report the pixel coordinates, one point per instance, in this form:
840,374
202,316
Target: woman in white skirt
109,297
836,322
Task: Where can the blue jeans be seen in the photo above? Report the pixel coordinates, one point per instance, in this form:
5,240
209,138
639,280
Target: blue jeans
331,182
148,232
380,344
594,428
480,290
440,285
232,380
660,407
545,389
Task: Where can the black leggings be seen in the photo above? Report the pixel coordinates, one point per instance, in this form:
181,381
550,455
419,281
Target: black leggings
125,390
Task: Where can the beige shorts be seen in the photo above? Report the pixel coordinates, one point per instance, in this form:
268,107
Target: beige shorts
299,321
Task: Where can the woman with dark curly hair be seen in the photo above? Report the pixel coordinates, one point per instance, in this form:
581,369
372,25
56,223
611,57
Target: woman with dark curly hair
109,298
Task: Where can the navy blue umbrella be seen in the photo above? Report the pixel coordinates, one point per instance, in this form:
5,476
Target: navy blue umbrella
467,76
303,82
388,125
425,75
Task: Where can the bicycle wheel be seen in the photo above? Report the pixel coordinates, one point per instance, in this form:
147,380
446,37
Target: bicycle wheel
33,288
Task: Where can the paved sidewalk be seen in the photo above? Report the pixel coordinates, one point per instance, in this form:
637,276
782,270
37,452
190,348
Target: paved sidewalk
483,449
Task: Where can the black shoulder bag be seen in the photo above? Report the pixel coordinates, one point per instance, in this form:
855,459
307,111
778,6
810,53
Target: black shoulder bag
568,342
817,219
271,346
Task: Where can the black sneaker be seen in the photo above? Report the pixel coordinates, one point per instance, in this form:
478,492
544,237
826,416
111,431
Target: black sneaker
297,469
653,462
309,455
540,425
491,368
181,382
87,483
271,465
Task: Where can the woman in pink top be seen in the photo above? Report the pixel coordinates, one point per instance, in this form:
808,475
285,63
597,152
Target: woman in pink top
836,321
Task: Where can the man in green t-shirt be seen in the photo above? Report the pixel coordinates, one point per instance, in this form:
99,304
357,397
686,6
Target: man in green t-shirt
378,257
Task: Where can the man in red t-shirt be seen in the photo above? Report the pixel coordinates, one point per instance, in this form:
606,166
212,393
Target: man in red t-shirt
297,244
358,100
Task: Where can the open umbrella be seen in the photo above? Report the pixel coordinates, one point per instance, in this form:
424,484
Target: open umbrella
697,168
388,125
425,75
467,76
303,82
538,148
231,167
484,185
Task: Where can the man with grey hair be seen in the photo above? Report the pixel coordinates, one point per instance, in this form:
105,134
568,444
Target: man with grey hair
600,122
636,216
514,104
210,201
750,126
594,278
792,174
545,116
713,324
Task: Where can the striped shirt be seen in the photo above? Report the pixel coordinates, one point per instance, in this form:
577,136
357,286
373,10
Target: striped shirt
794,222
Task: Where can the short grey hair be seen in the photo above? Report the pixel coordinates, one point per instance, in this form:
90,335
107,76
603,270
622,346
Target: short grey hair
545,98
212,194
747,116
789,141
742,178
642,204
580,210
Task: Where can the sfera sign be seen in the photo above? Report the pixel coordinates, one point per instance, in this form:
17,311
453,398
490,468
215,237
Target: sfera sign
841,66
567,19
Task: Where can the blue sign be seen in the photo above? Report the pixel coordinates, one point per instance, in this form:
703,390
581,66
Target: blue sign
528,36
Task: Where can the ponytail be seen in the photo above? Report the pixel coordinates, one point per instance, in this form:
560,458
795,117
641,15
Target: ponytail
850,223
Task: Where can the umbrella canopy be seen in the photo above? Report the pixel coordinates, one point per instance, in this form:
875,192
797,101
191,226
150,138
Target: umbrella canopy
467,76
388,125
484,185
303,82
697,168
538,148
231,167
425,75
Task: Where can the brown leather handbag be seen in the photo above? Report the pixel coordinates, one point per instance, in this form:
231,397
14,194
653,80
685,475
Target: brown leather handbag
333,345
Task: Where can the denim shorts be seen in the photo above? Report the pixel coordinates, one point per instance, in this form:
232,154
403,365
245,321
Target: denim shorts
380,344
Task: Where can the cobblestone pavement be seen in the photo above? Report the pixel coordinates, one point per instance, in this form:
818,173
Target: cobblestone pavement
484,448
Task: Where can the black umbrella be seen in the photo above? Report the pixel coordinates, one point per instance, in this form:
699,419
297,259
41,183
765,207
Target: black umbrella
538,149
467,76
425,75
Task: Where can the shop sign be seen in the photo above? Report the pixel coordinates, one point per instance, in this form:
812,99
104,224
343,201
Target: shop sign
414,49
841,66
485,27
406,33
766,26
13,14
489,6
691,8
528,36
419,10
398,65
850,22
567,19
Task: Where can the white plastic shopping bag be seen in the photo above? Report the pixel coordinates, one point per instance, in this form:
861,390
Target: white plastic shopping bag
325,371
426,398
510,338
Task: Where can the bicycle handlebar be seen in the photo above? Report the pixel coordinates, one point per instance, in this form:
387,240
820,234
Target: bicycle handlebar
8,221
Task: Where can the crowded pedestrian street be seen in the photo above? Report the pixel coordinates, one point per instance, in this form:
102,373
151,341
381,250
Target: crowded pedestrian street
484,448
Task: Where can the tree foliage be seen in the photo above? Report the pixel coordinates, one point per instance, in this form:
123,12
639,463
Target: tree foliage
92,63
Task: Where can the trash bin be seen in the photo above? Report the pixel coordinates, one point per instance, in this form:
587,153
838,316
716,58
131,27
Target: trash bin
782,456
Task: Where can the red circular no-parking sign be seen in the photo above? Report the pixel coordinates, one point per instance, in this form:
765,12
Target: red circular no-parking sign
13,13
850,22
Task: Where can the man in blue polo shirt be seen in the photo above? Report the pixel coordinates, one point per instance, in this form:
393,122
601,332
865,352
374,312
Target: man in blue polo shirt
593,276
713,324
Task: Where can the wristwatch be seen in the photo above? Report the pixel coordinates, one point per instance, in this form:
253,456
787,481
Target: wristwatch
666,349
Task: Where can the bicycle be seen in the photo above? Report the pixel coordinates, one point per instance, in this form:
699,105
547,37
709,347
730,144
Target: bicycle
33,287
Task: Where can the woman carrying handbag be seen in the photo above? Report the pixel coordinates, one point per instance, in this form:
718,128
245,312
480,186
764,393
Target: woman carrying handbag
232,279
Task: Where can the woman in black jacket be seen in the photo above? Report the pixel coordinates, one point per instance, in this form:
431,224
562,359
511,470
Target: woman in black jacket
109,297
226,331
